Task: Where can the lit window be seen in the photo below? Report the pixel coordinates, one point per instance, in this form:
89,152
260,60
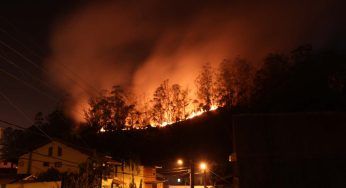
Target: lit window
59,151
50,151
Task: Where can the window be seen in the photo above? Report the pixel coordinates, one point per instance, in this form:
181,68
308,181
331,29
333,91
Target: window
50,151
45,163
58,164
21,163
59,151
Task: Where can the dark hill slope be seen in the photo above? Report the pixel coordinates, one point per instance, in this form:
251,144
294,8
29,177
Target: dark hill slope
207,136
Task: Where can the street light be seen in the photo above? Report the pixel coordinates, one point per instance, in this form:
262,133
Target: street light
180,162
191,163
203,166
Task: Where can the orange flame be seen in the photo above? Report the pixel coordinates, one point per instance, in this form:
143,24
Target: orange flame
190,116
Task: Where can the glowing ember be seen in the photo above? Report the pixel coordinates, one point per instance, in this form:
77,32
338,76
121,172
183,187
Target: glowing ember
102,130
213,107
164,124
194,114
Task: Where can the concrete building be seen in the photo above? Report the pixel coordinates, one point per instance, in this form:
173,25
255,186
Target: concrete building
131,175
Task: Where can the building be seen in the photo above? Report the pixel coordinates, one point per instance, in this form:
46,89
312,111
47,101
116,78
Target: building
66,157
55,154
7,165
151,178
183,180
180,177
130,174
289,150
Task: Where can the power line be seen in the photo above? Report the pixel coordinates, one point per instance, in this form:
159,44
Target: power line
44,155
20,127
15,107
12,124
44,70
23,113
44,135
25,151
25,71
19,42
22,56
36,65
39,56
26,35
62,66
47,161
27,84
219,177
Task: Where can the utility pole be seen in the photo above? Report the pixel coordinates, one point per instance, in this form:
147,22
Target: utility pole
29,163
192,173
123,168
205,178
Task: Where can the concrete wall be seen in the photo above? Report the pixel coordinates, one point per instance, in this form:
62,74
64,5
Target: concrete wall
56,184
125,174
149,174
132,170
187,186
290,150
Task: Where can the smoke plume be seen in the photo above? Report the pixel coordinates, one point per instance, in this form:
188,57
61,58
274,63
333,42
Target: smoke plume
138,44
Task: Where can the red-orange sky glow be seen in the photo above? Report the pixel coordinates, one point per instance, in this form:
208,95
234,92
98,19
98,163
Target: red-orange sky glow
138,44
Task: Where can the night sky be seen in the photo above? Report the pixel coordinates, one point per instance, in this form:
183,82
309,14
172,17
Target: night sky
41,34
25,27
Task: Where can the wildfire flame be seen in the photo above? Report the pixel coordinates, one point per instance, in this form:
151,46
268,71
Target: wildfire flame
164,124
102,130
190,116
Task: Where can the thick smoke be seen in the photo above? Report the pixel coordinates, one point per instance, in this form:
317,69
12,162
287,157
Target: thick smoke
140,43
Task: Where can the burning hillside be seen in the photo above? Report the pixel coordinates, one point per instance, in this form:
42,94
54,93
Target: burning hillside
139,44
170,103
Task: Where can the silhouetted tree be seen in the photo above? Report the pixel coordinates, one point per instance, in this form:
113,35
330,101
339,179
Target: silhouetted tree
242,81
10,141
162,103
179,102
109,111
224,88
145,114
119,107
99,113
204,85
269,77
17,142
